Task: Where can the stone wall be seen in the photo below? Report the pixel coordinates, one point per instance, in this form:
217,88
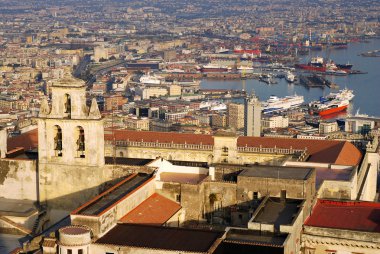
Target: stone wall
344,241
18,179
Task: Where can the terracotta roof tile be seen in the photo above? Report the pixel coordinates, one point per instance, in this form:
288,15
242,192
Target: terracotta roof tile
155,210
322,151
350,215
28,140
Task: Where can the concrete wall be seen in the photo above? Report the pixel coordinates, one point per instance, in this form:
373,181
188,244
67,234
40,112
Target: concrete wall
297,189
367,177
342,241
164,166
168,154
18,179
101,224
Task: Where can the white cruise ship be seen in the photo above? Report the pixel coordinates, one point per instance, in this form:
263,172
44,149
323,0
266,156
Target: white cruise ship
276,104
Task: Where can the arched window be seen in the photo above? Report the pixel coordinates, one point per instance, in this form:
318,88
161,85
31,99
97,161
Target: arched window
67,104
80,142
121,154
57,140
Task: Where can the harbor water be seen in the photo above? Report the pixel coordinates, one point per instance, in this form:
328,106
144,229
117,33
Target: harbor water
366,87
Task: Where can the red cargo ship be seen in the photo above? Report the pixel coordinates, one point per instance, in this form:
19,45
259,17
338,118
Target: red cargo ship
240,50
327,108
318,64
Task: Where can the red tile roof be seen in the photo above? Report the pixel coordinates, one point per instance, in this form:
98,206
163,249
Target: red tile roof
321,151
155,210
28,140
351,215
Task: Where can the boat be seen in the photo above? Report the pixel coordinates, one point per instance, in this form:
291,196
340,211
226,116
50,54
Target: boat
329,107
240,50
343,94
222,50
214,68
276,104
267,78
320,65
346,66
290,77
150,79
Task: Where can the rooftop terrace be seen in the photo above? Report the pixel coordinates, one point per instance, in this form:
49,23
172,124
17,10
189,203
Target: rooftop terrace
108,198
278,212
297,173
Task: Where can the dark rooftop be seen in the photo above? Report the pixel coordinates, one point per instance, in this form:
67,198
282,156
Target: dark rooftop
255,237
127,161
277,212
109,197
156,237
296,173
190,163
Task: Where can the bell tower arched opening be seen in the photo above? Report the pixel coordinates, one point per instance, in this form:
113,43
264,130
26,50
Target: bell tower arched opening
80,142
67,104
57,140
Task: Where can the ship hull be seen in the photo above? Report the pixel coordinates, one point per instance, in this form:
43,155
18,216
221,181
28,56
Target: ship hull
332,110
310,68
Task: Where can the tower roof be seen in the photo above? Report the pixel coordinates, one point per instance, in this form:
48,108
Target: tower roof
68,81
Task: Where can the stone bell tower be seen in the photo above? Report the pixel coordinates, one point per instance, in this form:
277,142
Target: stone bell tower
70,146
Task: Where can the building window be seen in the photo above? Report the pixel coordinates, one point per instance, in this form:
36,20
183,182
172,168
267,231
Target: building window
178,198
121,154
80,142
80,251
255,195
69,251
67,104
225,151
58,140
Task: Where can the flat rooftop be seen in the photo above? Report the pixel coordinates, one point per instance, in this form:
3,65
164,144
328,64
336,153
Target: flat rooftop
255,237
111,196
332,174
182,177
127,161
163,238
15,207
277,212
155,210
280,172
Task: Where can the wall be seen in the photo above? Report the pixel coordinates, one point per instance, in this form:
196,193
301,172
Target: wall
108,219
18,179
167,167
367,177
322,239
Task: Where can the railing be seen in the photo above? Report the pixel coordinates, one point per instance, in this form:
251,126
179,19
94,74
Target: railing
271,150
201,147
162,145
